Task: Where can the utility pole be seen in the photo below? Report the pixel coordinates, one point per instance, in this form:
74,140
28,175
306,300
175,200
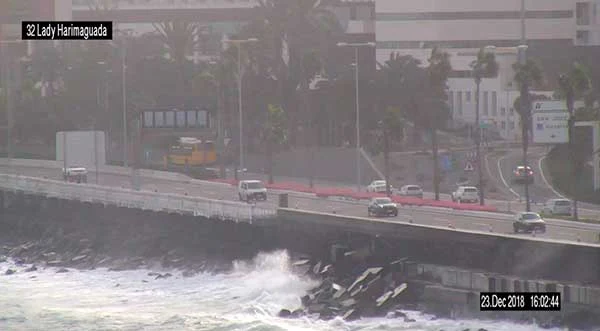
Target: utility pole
525,119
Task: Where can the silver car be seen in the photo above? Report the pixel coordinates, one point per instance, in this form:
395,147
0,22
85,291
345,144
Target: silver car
411,191
557,207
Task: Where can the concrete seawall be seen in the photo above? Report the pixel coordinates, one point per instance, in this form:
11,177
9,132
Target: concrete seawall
378,241
529,258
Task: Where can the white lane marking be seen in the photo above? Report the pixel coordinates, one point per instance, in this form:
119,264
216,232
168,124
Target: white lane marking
545,180
502,177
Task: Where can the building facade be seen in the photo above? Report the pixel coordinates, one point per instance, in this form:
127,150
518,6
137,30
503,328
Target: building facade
461,27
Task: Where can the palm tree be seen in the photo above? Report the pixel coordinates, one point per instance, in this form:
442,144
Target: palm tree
401,84
274,134
180,38
439,69
485,66
526,75
574,84
289,31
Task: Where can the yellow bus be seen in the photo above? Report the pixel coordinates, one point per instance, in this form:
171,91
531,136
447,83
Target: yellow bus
191,152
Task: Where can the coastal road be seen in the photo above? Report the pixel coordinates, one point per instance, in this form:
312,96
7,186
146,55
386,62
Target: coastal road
479,221
501,166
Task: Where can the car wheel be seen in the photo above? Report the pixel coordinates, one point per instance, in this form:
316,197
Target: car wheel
240,195
543,229
515,228
395,213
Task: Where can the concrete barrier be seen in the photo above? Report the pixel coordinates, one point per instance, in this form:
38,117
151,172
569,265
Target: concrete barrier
479,282
144,200
448,295
449,278
464,279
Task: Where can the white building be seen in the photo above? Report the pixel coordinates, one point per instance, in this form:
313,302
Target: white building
461,27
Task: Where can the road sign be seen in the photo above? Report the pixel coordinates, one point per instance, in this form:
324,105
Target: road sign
446,163
550,122
469,166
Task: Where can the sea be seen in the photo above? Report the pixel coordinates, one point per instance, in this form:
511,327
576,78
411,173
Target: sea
247,298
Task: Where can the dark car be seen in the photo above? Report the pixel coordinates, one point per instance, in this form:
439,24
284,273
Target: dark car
523,174
529,222
382,207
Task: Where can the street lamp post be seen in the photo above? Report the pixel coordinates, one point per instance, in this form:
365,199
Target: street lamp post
239,42
525,117
356,47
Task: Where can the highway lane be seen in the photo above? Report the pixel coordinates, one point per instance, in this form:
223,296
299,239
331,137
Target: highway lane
501,167
480,221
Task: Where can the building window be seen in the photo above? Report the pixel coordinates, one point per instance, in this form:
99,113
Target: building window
503,125
191,118
353,12
494,103
180,117
512,111
451,101
148,119
582,12
503,111
159,119
511,125
468,96
583,37
202,119
459,103
170,119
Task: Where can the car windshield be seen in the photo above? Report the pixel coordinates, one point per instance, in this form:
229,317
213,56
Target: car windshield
563,203
413,188
530,216
255,185
471,190
379,183
381,201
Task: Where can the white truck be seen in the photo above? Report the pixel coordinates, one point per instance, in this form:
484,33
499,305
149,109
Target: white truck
252,190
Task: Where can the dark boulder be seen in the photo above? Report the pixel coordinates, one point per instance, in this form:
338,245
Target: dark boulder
284,313
32,268
62,270
9,272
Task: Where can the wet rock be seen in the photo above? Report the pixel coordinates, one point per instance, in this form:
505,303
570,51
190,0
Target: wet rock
9,272
31,269
482,329
189,273
54,263
79,258
19,261
298,313
2,258
117,285
351,315
409,320
153,274
62,270
163,276
144,281
284,313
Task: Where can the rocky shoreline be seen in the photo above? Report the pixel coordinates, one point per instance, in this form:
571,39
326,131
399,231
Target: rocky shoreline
388,290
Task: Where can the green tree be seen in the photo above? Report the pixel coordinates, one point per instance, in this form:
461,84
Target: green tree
526,75
575,84
179,37
290,32
274,134
438,114
485,66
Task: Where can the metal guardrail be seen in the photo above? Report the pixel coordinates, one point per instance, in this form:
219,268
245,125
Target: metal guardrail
145,200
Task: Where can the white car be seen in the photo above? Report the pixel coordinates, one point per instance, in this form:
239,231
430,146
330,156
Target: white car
252,190
378,186
75,174
411,191
466,194
557,207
